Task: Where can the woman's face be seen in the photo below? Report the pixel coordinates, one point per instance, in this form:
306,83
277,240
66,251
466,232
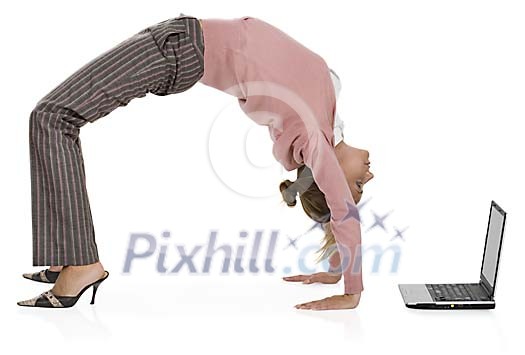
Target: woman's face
355,164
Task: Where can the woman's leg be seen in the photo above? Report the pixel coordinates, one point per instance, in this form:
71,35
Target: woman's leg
163,59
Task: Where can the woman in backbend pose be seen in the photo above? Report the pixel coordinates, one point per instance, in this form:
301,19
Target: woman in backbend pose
278,83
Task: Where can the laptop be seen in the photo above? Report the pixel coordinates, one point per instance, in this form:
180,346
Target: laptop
465,296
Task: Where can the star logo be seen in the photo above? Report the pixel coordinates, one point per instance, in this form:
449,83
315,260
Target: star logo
353,212
399,234
379,221
291,242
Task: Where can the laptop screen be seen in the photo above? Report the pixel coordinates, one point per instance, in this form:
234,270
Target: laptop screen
492,245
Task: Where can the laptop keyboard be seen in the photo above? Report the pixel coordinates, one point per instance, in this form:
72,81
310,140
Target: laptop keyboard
450,292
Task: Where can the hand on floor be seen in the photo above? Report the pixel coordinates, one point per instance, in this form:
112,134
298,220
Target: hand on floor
322,277
333,302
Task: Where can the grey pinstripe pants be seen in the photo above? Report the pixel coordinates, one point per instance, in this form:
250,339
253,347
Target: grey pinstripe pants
163,59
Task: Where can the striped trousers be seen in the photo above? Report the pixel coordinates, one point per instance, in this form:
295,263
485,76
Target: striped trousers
162,59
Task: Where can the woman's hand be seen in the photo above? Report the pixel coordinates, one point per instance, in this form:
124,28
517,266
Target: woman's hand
335,302
322,277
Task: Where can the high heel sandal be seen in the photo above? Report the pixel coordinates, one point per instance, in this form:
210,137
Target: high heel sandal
45,276
48,300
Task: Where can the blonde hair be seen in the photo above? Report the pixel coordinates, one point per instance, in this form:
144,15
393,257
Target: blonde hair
314,205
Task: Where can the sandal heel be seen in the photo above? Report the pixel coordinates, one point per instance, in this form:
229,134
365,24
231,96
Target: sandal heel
95,288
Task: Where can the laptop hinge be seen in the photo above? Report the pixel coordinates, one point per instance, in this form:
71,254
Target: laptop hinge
485,288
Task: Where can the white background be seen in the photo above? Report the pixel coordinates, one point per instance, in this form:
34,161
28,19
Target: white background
433,89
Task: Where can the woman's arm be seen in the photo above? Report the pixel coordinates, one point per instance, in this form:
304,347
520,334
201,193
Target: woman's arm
335,263
319,155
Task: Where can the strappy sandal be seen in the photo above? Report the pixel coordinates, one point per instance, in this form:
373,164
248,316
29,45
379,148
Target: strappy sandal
48,300
46,276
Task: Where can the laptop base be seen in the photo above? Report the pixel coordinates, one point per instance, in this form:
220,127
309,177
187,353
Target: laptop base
418,296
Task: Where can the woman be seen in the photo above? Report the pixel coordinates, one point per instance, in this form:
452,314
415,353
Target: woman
278,83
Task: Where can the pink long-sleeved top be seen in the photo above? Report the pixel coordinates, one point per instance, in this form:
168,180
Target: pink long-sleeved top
281,84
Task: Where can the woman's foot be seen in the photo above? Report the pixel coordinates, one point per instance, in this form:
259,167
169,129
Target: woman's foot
73,278
48,275
51,298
